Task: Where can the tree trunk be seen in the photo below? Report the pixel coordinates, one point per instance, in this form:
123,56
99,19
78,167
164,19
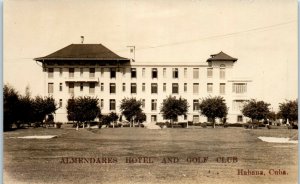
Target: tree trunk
214,123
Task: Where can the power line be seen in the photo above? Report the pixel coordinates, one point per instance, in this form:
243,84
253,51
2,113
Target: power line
263,28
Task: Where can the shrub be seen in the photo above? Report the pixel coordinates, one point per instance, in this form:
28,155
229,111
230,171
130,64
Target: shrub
58,124
183,124
204,125
236,125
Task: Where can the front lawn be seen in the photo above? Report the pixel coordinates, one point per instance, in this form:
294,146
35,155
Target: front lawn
38,161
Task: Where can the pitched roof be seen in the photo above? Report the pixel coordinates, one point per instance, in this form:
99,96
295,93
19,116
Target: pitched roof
83,52
221,56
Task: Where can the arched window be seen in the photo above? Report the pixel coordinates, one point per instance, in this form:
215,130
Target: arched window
222,71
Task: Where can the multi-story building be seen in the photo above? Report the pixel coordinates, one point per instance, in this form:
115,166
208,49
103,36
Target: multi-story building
94,70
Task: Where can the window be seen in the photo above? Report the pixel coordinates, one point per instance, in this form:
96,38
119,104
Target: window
102,72
195,118
101,103
185,87
50,72
81,72
238,104
71,72
112,104
71,88
175,88
81,86
133,88
196,88
143,87
92,72
60,87
101,87
222,88
209,87
92,88
185,72
196,73
60,102
185,117
239,118
112,88
143,72
124,87
195,105
222,71
153,87
164,72
153,118
239,88
209,72
154,104
154,73
50,87
60,72
175,73
164,87
143,103
133,72
112,73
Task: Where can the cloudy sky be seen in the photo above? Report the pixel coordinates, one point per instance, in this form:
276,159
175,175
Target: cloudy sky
261,34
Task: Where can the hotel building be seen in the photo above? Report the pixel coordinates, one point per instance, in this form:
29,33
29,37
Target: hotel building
94,70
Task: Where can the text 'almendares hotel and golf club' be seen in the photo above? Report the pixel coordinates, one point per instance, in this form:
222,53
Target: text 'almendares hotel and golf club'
94,70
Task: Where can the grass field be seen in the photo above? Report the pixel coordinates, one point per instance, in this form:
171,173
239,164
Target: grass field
38,161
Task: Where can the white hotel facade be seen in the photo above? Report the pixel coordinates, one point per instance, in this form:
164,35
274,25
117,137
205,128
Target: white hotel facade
94,70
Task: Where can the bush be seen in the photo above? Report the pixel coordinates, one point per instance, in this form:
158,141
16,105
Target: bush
204,125
58,124
236,125
183,124
161,124
197,124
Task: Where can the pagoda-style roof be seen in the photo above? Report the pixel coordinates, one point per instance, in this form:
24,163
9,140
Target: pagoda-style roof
90,52
221,56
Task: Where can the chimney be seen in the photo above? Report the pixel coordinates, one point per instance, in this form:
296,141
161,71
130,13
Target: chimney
82,39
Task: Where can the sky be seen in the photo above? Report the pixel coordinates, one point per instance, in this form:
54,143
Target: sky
261,34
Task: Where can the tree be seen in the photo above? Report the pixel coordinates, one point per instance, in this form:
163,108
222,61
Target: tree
289,110
43,107
272,115
140,118
82,109
10,103
172,108
25,110
105,120
113,118
256,110
130,108
213,107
